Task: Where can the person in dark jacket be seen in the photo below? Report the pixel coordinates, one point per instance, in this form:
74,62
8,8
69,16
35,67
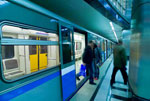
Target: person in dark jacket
120,60
87,59
97,61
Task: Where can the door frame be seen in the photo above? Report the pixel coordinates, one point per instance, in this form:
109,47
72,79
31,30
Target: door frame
86,41
61,41
60,24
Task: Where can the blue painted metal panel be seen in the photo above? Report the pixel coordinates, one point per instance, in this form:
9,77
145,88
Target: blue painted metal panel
26,88
49,91
68,84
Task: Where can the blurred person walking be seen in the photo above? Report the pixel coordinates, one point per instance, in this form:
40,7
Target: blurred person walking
120,60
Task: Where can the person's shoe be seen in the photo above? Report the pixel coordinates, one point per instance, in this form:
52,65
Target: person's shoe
78,78
95,78
92,83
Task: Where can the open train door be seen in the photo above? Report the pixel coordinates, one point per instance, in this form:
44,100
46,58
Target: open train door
68,77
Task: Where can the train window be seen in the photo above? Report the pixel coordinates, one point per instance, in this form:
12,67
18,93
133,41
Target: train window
21,59
8,51
66,34
66,53
67,44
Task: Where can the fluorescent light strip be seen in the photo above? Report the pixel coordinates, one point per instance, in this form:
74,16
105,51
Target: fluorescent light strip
113,29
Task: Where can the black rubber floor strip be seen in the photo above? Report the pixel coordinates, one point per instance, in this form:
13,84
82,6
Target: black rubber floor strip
120,97
121,89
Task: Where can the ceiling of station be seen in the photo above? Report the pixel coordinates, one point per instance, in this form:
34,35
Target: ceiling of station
82,14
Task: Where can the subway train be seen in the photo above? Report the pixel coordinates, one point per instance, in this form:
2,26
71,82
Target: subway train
39,54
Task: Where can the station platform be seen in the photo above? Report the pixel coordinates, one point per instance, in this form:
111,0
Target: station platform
102,90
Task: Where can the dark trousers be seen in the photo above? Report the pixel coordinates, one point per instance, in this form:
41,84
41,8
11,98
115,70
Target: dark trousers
96,69
90,72
96,72
123,72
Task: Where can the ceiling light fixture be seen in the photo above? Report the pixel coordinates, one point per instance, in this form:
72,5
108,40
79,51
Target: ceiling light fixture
113,29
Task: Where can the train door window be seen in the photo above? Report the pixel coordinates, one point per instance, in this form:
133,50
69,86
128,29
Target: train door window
66,45
43,48
32,49
25,51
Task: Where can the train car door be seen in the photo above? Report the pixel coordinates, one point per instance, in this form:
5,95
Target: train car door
33,51
38,55
42,55
68,76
